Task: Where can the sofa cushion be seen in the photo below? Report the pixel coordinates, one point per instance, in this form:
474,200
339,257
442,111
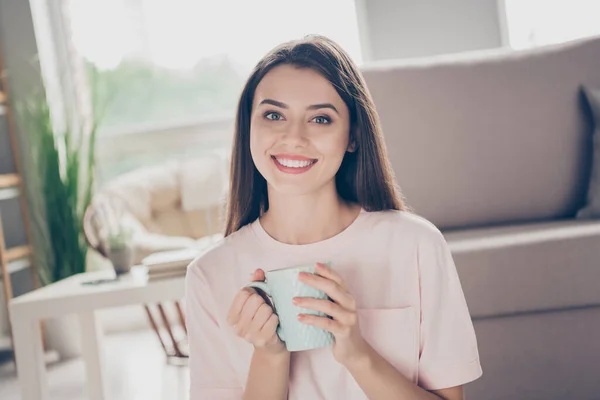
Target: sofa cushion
497,136
592,208
147,191
549,356
171,222
207,221
203,181
528,267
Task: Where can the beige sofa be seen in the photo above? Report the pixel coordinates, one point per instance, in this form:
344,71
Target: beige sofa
495,149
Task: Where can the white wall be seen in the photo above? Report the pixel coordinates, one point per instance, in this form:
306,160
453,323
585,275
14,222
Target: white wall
18,46
419,28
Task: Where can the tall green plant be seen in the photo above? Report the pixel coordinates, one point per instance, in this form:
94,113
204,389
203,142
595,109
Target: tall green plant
64,162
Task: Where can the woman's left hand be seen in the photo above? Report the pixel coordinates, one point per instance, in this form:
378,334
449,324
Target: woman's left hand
349,343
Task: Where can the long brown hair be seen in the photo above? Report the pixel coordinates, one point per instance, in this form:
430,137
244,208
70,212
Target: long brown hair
365,176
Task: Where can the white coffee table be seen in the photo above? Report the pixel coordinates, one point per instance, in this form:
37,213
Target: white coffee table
70,296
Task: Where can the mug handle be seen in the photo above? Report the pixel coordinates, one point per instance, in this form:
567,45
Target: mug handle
262,286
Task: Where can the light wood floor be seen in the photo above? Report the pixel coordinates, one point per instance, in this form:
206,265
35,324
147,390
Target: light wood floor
135,370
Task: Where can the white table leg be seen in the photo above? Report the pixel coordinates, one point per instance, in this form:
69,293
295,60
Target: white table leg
29,355
91,337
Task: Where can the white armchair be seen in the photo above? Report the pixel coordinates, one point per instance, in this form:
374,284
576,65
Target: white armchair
170,206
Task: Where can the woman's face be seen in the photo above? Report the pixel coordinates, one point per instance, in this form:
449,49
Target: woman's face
299,130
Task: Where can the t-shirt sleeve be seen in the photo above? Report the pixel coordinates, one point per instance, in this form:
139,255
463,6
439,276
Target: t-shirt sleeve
211,374
448,347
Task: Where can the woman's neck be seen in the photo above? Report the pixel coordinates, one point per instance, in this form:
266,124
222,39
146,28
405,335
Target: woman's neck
305,219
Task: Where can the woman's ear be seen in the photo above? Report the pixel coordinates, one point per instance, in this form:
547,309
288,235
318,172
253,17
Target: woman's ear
352,142
351,146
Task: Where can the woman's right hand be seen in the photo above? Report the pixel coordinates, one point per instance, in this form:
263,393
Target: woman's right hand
254,320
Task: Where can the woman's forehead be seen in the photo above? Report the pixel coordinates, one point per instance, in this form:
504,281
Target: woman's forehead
295,86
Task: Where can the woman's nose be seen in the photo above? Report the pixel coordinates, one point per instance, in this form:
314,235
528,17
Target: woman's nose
296,132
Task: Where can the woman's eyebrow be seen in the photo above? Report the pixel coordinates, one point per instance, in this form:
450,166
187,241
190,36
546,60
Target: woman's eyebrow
322,105
285,106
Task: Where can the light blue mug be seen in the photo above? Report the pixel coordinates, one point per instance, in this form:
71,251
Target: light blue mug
281,286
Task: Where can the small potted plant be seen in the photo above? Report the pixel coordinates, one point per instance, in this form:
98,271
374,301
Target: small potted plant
120,250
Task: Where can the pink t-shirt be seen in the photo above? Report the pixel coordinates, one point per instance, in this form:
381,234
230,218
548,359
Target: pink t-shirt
398,268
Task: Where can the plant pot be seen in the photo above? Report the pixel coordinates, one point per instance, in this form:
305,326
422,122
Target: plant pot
63,335
122,259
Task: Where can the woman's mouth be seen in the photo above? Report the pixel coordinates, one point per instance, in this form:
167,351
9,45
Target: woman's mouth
293,165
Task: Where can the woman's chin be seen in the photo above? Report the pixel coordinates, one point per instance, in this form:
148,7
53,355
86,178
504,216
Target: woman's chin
298,187
292,189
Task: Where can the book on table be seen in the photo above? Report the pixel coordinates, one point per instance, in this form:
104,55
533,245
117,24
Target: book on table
169,263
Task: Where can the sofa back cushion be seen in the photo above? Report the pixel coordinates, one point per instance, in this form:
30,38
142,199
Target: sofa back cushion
489,137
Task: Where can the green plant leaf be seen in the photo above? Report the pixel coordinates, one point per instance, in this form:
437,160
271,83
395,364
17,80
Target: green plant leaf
63,163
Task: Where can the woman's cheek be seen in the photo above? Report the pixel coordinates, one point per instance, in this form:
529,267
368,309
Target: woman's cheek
267,129
261,143
334,144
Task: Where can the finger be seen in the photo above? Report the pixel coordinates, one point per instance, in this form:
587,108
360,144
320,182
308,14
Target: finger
258,276
270,327
268,333
331,288
261,317
243,295
237,305
325,271
250,308
325,306
324,323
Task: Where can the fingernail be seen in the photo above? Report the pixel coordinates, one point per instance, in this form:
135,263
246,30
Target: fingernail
295,301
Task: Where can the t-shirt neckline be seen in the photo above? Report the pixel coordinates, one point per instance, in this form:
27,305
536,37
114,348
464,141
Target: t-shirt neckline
272,243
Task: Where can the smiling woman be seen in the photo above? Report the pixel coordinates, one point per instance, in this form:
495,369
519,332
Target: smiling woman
311,184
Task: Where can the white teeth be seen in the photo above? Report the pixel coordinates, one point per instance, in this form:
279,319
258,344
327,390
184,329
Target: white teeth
294,163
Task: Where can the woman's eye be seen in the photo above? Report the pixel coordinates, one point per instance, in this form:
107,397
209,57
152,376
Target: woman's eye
322,120
273,116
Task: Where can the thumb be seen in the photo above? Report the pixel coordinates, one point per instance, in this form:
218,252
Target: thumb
258,276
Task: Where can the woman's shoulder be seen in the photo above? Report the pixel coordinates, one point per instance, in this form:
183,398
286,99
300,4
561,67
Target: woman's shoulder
403,221
223,252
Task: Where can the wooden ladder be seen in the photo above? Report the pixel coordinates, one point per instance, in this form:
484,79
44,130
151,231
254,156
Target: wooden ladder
12,186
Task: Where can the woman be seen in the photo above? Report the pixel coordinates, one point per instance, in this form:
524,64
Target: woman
311,182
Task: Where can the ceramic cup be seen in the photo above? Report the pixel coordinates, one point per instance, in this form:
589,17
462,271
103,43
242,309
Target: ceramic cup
281,286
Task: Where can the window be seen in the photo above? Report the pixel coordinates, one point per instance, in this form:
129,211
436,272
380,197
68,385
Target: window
172,62
532,23
170,70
